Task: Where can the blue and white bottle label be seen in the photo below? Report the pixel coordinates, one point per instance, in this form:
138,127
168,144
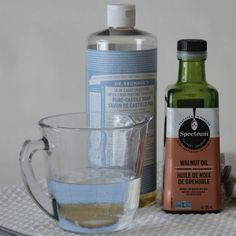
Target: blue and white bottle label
125,81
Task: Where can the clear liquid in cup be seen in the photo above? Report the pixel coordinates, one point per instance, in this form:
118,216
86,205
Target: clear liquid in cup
96,200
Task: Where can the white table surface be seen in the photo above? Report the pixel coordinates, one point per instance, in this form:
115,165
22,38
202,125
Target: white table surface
19,213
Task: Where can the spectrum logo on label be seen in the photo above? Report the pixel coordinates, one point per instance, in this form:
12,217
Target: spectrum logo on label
194,133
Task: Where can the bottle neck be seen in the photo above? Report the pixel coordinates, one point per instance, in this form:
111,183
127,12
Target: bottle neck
121,30
192,71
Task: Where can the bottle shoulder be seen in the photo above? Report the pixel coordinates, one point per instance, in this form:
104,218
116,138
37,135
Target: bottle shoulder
205,93
122,32
191,87
122,39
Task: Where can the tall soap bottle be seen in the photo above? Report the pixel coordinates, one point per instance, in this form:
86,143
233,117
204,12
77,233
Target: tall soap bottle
121,77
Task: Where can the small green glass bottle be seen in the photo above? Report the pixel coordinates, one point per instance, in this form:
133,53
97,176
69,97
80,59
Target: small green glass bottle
191,88
192,154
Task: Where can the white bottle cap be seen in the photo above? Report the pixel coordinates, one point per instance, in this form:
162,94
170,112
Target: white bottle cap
120,15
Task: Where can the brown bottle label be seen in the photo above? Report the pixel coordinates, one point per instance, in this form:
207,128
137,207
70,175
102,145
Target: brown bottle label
192,160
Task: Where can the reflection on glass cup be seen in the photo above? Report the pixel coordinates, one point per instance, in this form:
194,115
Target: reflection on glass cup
94,165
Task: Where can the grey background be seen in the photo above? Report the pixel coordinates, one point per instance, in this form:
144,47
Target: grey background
42,66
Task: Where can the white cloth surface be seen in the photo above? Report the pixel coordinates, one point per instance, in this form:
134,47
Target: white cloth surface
19,213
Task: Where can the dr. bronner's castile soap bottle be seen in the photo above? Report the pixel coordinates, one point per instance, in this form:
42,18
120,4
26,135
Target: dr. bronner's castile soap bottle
121,78
192,153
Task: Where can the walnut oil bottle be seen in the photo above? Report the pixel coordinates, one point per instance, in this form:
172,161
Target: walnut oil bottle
192,152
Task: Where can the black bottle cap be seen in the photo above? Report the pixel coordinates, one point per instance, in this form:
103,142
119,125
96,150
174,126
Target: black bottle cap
192,45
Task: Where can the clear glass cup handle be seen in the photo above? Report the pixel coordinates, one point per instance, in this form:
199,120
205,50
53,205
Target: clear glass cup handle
46,203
